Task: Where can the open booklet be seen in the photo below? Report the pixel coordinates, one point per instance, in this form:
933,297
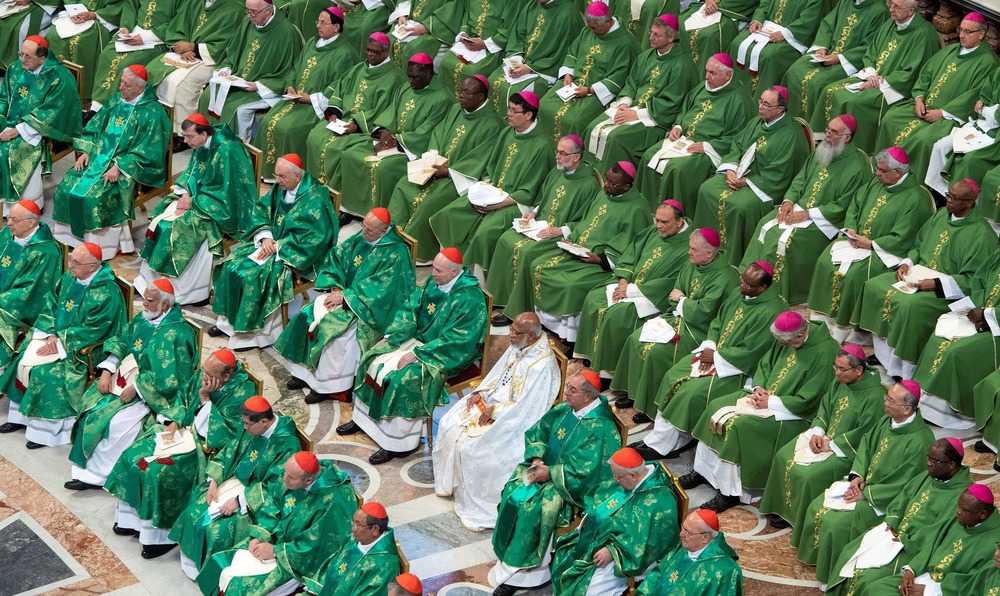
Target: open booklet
913,277
482,194
574,249
420,170
469,56
529,227
833,497
508,65
64,25
804,454
700,20
168,444
228,490
174,59
971,136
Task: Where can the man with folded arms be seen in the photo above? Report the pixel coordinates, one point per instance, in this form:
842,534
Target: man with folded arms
436,334
48,376
291,230
365,565
221,509
703,562
141,374
564,464
364,282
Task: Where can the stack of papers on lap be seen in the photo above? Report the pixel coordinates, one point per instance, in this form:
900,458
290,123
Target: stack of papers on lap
228,490
182,442
657,331
245,565
289,97
843,254
174,59
833,497
482,194
743,407
337,126
573,249
970,137
402,34
567,92
258,258
529,227
699,20
743,168
508,65
877,549
64,24
9,8
388,362
804,455
953,325
470,56
913,276
231,80
420,170
696,369
125,376
814,58
643,306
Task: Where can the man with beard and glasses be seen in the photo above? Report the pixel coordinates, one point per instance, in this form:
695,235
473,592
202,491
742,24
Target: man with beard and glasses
812,212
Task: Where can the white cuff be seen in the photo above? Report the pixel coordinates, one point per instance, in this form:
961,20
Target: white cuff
821,222
847,66
319,103
29,134
603,94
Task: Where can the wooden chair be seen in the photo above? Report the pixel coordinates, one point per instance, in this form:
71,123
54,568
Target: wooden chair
305,442
410,242
60,150
807,129
144,193
128,292
563,361
404,563
256,160
257,383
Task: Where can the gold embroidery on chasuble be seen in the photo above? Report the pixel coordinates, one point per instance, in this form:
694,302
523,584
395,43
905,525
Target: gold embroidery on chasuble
845,32
357,260
866,229
431,308
705,107
780,12
112,72
653,76
562,433
882,446
150,9
254,455
737,316
950,70
5,262
459,133
22,91
789,363
882,57
942,240
137,345
406,114
289,502
69,305
641,275
511,152
251,57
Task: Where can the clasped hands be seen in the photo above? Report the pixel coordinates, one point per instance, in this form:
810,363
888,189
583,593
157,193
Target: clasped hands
229,507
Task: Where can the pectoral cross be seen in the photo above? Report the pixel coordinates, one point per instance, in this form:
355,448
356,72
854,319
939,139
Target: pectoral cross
561,434
357,261
22,91
119,121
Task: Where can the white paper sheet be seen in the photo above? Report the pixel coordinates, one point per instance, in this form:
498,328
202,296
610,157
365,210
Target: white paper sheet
833,497
471,56
699,20
529,227
657,331
482,194
573,249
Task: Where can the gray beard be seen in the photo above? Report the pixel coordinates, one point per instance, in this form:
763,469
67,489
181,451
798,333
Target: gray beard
825,152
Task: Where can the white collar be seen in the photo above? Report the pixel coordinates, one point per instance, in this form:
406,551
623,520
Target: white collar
134,100
268,22
771,123
364,548
379,64
722,86
900,27
208,143
694,555
320,42
451,284
649,473
270,431
614,27
24,241
483,105
965,51
905,422
900,181
587,409
86,281
156,322
289,196
529,129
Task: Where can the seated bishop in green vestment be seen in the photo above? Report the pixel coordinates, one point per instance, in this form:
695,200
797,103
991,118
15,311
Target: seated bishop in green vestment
806,465
211,197
704,281
888,458
153,478
437,334
647,269
948,251
703,563
986,396
30,263
478,46
986,580
304,517
704,40
122,147
363,566
143,369
363,282
292,229
221,509
740,434
910,522
737,339
23,19
423,26
48,376
759,168
812,212
38,101
84,47
565,462
631,524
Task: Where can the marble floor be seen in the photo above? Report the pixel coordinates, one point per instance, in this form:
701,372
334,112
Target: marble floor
64,538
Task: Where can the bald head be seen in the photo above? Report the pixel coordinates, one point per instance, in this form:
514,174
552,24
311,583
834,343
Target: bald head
82,264
525,330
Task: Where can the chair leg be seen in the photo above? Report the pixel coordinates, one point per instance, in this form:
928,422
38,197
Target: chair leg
430,432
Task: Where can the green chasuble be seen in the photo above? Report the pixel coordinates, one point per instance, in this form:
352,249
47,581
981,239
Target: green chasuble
742,335
47,102
517,164
956,555
591,59
358,96
562,201
648,10
84,48
713,117
461,137
483,19
985,396
27,272
949,368
305,229
303,525
845,31
906,321
441,18
166,353
576,448
283,127
888,459
702,43
265,55
366,182
641,364
652,263
976,164
889,217
949,81
375,280
451,327
11,26
258,463
160,489
656,87
896,55
560,282
781,152
80,316
986,581
823,191
714,573
799,20
132,137
540,35
915,514
638,526
798,378
154,16
352,572
846,414
220,180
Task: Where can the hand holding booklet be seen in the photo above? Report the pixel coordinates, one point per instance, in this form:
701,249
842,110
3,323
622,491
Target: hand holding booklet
529,227
420,170
567,92
574,249
913,277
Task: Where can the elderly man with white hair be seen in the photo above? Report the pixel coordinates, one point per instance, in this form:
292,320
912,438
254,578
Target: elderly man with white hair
703,563
479,441
143,371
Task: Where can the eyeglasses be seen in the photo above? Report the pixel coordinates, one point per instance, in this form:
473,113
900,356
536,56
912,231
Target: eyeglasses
836,133
936,462
618,477
953,197
253,13
687,532
514,111
764,104
844,369
970,31
563,153
882,170
74,263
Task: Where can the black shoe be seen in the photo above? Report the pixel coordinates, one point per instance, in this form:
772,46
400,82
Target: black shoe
647,452
624,402
214,331
80,485
996,466
33,445
641,418
691,480
677,452
199,303
317,398
381,456
720,503
296,383
151,551
180,145
124,531
345,218
979,447
872,360
501,320
349,428
504,590
245,349
778,522
9,427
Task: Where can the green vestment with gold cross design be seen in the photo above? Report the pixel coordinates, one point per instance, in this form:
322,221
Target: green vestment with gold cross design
714,573
27,273
351,572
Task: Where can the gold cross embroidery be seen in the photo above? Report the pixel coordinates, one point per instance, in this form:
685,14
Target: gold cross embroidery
137,345
431,308
5,261
561,434
342,568
612,503
253,455
119,121
674,576
357,260
22,91
289,502
281,218
69,305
